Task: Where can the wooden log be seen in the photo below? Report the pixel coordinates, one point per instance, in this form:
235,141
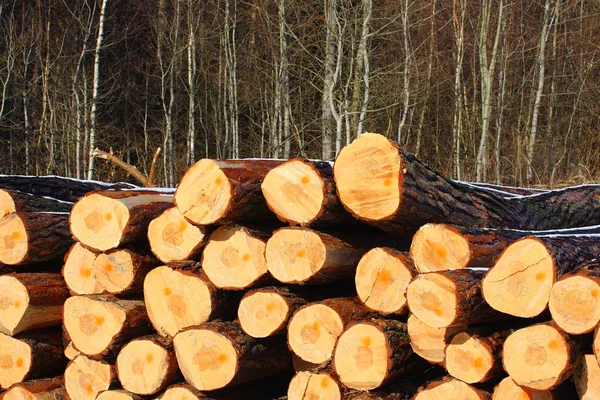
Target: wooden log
507,389
541,356
34,237
430,342
520,282
181,295
586,378
265,312
100,325
315,327
305,256
382,278
371,353
118,395
224,191
31,301
108,219
383,186
57,187
71,351
450,388
77,270
218,354
37,389
173,238
147,365
86,378
322,384
302,192
15,201
575,300
447,298
234,257
30,355
475,357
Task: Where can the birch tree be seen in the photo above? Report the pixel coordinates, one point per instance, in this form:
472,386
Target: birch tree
330,7
405,72
364,62
458,9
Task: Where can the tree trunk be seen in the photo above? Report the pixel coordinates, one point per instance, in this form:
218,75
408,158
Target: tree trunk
15,201
586,376
321,384
430,342
38,389
507,389
86,378
450,388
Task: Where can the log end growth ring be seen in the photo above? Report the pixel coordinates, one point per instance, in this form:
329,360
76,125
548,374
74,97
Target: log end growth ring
468,358
85,378
172,237
369,177
15,360
114,271
438,247
432,298
450,389
261,314
575,304
308,386
508,389
7,204
142,366
14,300
178,393
13,240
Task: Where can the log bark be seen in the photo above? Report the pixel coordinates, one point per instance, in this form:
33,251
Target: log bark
108,219
86,378
118,395
180,295
541,356
315,327
15,201
218,354
31,301
147,365
37,389
56,187
234,257
520,282
321,384
445,298
371,353
224,191
173,238
430,342
382,278
507,389
30,355
34,237
100,325
586,378
302,192
450,388
596,343
383,186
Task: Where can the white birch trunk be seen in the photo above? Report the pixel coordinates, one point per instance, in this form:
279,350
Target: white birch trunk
326,115
191,58
363,50
405,73
459,30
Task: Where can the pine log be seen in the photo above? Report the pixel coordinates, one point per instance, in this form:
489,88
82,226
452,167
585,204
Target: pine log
322,384
108,219
305,256
315,327
507,389
575,300
430,342
37,389
473,357
34,237
302,192
30,355
181,295
520,282
507,190
373,352
100,325
224,191
147,365
86,378
118,395
71,351
77,270
15,201
173,238
31,301
596,343
121,271
450,388
265,312
541,356
383,186
447,298
234,257
57,187
218,354
586,378
382,278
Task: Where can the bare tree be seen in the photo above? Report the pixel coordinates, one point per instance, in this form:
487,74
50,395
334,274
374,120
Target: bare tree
191,70
405,72
363,56
459,32
328,78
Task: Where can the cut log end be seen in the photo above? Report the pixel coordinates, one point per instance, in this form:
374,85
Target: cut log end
7,204
438,247
381,279
15,360
295,255
38,389
294,191
173,238
429,342
520,282
261,314
78,272
204,194
468,358
369,179
586,378
312,386
507,389
115,271
575,303
14,301
450,389
85,378
234,257
143,366
183,392
117,395
537,357
596,343
433,299
313,331
13,240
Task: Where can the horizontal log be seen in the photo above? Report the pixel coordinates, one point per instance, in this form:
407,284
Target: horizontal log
322,384
586,378
86,378
450,388
429,342
118,395
37,389
507,389
15,201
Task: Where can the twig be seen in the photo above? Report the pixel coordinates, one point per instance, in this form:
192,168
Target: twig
130,169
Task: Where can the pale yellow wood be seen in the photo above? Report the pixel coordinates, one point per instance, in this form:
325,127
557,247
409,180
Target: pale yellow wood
78,272
14,239
7,204
575,304
260,314
429,342
178,393
435,247
70,351
115,395
142,366
452,389
294,255
587,378
15,360
173,238
19,393
433,298
507,389
85,378
313,386
468,358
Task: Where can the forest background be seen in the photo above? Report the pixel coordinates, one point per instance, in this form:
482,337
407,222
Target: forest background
484,90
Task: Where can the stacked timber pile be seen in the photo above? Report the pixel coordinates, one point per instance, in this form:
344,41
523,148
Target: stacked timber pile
374,277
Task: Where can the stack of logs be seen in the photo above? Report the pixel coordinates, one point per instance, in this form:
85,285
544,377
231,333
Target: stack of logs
388,281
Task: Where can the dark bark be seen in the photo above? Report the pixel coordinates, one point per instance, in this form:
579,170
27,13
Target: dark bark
27,202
